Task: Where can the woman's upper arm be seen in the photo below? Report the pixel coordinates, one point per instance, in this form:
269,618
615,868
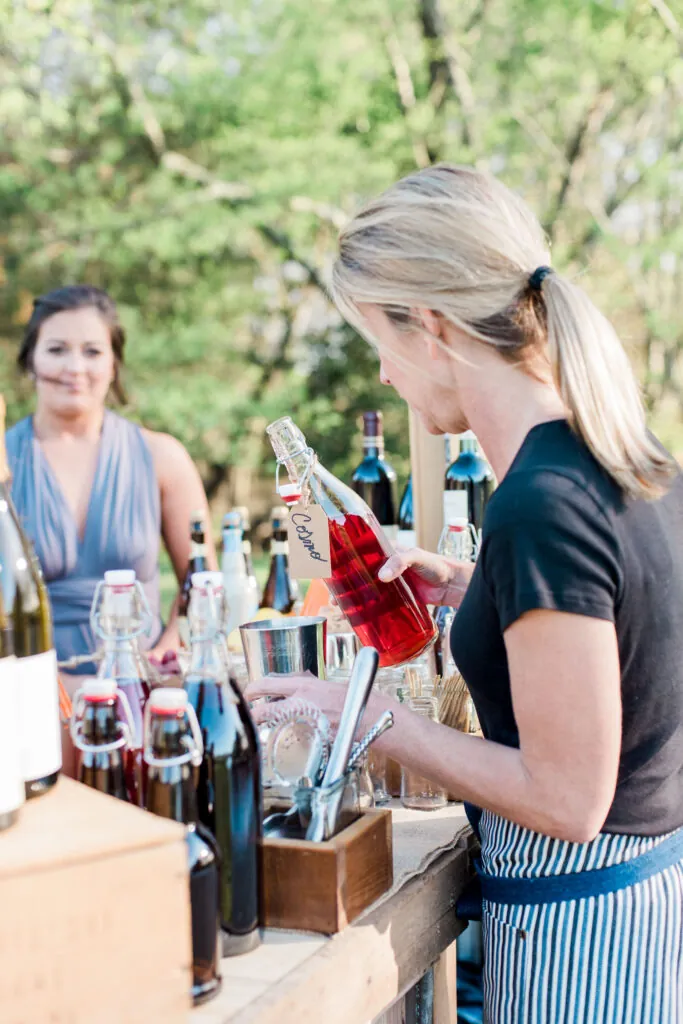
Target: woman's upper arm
566,691
182,493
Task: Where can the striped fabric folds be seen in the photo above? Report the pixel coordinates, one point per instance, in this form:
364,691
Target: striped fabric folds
613,959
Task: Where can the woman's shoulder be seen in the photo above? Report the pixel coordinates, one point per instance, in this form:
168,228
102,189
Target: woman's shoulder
172,461
536,495
18,436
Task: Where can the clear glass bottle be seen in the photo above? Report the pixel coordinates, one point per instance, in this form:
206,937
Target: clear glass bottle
119,616
229,794
173,750
458,540
418,793
386,616
241,589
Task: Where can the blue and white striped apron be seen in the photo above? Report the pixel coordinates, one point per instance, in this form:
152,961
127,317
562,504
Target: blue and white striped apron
615,958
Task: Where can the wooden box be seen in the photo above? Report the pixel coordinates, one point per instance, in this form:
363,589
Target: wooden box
95,922
322,887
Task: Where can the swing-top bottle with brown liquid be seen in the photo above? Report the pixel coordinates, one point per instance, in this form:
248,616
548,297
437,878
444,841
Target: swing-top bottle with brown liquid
229,780
173,750
102,737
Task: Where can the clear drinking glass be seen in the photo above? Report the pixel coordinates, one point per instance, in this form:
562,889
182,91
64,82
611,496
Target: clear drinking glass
417,792
385,771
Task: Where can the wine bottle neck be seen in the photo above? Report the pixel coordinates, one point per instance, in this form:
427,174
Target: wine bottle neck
207,659
197,550
373,447
232,542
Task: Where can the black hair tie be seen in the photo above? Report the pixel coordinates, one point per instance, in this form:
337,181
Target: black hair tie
538,277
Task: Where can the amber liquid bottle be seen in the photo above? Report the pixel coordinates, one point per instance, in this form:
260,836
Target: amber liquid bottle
171,757
281,592
29,619
100,738
197,563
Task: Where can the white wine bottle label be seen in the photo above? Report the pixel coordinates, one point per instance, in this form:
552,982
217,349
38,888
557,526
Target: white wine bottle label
11,778
455,506
308,531
406,539
41,748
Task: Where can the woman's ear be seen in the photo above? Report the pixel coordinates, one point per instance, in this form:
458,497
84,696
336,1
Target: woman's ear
433,329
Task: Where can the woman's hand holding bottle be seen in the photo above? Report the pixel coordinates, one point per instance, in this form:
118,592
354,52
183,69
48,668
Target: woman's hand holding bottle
436,580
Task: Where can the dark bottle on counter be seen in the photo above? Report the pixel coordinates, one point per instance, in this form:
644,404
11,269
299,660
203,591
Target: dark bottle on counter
100,737
197,563
229,782
27,608
468,484
281,592
406,537
374,478
173,750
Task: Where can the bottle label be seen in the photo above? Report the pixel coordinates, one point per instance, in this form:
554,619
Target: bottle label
455,505
197,550
309,543
11,775
41,748
279,547
406,539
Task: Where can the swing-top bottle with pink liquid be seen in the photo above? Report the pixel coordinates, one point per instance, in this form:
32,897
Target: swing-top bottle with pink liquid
386,616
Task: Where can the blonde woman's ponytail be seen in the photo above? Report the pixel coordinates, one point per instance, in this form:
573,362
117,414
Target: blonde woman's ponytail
597,385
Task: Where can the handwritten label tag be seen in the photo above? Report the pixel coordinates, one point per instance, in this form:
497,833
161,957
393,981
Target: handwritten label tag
308,532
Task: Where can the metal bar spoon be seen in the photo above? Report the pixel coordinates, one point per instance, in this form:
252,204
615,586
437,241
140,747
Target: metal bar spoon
326,809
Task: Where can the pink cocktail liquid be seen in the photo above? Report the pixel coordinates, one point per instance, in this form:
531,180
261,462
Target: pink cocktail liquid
386,616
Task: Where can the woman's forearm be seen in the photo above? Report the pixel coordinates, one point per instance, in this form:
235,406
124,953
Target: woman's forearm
487,774
461,576
170,638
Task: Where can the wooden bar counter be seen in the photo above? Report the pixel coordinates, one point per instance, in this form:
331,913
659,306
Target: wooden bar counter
355,976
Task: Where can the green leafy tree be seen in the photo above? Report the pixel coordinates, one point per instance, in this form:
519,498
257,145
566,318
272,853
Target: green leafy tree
198,162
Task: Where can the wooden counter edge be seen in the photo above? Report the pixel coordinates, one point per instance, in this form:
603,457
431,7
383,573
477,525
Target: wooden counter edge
364,969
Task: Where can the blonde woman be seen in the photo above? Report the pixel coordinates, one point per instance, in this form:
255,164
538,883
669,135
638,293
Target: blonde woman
569,629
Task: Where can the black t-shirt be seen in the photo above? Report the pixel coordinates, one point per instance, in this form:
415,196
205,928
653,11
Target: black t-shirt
559,534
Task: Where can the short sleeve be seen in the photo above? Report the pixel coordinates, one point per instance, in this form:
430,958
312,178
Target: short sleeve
547,544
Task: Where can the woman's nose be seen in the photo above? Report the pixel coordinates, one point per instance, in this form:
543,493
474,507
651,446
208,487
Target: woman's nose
74,362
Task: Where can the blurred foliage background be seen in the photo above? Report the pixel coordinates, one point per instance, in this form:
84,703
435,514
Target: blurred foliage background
197,159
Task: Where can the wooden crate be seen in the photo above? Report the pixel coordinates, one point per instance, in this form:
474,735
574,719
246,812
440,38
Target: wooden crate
322,887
